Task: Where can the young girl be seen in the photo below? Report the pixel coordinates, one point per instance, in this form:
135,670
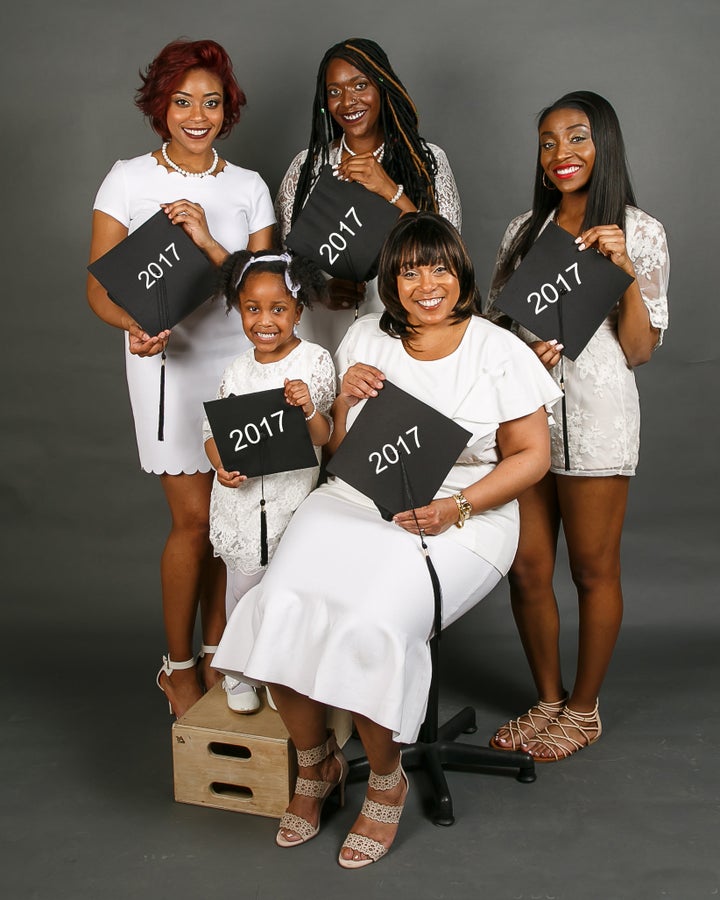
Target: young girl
270,292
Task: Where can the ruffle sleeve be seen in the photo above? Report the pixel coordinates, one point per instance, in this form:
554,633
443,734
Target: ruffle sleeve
517,386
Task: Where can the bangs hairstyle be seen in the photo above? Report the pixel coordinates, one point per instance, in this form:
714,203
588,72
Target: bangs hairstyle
168,69
423,239
609,188
311,283
408,160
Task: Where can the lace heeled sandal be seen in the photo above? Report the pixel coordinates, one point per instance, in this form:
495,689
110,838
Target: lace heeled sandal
311,787
168,667
557,739
377,812
525,727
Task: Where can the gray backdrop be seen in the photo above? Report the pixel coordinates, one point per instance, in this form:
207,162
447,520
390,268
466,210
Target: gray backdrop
83,528
479,72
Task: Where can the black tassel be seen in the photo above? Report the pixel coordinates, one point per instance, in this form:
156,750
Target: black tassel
162,303
561,329
434,580
563,405
161,406
437,590
263,519
263,535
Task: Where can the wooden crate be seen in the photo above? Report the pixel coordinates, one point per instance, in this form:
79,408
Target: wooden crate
230,761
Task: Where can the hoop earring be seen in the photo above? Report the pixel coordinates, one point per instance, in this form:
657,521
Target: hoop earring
548,187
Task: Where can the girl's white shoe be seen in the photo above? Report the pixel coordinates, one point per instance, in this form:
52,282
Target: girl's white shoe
241,697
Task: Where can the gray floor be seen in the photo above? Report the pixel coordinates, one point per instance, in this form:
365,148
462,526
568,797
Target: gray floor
86,759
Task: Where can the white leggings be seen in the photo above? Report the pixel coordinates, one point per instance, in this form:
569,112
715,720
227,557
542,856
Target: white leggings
238,584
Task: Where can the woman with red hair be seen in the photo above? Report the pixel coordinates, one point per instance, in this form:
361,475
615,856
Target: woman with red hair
191,97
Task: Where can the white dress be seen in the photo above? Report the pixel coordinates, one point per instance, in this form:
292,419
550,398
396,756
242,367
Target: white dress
328,326
237,203
601,398
345,610
235,512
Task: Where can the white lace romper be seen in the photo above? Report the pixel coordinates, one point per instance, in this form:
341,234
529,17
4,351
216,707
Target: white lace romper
601,398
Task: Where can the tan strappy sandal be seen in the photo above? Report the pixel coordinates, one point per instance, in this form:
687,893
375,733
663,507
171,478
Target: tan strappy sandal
529,724
378,812
557,739
309,787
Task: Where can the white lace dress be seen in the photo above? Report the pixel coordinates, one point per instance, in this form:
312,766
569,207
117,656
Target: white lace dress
601,398
327,326
235,512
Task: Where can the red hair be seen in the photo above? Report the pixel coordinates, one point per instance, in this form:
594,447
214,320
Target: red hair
170,66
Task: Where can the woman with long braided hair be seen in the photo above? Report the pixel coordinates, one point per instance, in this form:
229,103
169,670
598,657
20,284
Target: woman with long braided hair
365,125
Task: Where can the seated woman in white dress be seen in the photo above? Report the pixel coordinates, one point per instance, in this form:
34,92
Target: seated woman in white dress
344,613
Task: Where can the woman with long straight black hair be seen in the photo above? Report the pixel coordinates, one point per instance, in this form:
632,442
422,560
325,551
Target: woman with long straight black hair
583,185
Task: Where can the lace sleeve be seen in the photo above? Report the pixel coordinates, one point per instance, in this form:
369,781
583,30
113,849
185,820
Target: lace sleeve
446,191
286,195
490,310
322,382
648,250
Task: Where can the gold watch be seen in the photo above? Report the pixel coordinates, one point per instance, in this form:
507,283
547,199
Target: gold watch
464,508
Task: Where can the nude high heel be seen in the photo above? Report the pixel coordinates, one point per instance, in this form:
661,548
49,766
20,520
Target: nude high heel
309,787
378,812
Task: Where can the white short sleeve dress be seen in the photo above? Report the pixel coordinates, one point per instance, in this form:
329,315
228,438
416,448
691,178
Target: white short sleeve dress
237,203
345,610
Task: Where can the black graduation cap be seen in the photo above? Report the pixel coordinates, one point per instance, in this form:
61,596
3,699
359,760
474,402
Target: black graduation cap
157,274
260,434
342,227
398,451
559,292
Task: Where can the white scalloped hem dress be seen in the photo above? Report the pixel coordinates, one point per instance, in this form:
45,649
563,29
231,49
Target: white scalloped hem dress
345,610
237,203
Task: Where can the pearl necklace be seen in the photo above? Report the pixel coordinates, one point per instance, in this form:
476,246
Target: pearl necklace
185,172
378,153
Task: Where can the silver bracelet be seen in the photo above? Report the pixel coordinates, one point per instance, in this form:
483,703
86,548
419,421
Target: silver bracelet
398,194
312,414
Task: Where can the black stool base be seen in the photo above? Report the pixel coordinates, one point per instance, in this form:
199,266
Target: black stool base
434,756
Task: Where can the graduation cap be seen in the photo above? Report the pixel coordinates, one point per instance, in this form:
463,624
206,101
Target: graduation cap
342,227
260,434
398,451
559,292
157,274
